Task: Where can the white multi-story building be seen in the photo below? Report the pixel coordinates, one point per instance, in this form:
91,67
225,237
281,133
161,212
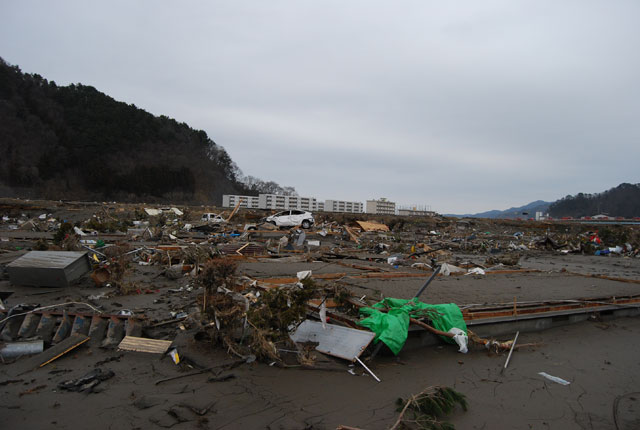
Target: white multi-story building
270,201
231,200
415,212
343,206
277,202
381,207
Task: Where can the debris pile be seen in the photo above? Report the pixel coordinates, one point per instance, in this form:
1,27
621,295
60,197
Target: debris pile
189,284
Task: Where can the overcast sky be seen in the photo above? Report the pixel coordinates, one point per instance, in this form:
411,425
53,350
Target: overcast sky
463,106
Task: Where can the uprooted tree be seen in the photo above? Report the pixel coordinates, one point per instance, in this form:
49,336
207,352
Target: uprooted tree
248,321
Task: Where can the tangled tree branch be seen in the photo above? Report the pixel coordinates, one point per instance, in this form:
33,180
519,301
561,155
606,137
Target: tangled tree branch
428,406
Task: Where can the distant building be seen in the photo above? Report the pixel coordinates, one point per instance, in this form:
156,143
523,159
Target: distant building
270,201
541,216
231,200
343,206
381,207
277,202
415,212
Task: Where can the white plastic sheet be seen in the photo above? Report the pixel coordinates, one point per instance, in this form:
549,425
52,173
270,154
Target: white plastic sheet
554,378
304,274
460,337
476,271
447,269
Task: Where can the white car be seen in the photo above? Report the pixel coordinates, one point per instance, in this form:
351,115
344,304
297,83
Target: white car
212,218
292,218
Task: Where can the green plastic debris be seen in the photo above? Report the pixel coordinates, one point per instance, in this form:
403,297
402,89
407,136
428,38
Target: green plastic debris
100,243
392,327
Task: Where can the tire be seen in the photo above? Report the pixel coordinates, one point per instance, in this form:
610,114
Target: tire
272,222
306,224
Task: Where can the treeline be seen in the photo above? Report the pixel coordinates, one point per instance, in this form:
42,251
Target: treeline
74,142
623,200
256,186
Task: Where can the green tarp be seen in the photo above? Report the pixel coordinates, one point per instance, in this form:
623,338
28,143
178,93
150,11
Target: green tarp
392,327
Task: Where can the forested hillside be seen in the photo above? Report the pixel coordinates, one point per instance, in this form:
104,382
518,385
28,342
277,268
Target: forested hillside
74,142
623,200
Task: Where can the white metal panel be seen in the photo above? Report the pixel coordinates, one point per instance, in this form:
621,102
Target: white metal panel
334,340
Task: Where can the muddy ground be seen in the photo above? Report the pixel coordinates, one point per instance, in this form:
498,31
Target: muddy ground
598,356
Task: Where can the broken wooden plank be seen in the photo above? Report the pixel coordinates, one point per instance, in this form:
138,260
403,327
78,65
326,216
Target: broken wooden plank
352,234
233,212
609,278
55,352
358,266
140,344
540,309
326,276
69,344
387,275
239,250
330,303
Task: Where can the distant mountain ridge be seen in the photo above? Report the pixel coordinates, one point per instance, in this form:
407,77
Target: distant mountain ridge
526,211
620,201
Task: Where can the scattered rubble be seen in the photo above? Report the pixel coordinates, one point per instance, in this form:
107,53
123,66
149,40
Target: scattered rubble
163,280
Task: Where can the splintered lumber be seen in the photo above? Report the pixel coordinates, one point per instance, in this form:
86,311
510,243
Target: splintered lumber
609,278
372,226
238,251
233,212
70,343
140,344
326,276
352,234
357,266
227,365
542,307
330,303
332,276
387,275
242,250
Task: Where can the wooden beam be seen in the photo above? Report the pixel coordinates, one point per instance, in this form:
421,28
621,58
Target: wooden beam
233,212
